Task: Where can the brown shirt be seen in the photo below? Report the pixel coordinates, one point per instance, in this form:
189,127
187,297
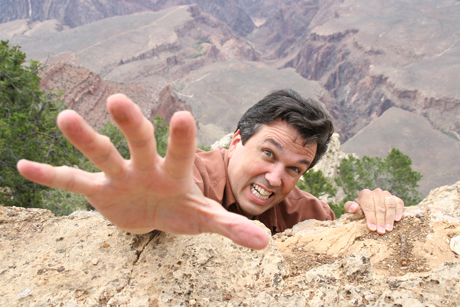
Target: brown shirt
210,174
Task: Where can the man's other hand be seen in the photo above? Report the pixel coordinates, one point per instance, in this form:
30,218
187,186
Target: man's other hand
146,192
380,208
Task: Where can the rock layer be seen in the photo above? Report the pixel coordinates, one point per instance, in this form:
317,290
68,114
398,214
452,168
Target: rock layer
78,13
83,260
86,93
371,55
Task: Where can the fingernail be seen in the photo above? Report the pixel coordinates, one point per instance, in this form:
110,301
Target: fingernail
373,227
398,217
389,227
381,229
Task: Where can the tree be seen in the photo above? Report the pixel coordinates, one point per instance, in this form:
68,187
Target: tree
393,174
116,136
27,127
161,134
28,131
316,184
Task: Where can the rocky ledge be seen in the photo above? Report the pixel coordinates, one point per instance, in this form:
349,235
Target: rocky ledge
84,260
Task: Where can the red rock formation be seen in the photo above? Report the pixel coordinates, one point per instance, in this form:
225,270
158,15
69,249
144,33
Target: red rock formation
169,103
86,93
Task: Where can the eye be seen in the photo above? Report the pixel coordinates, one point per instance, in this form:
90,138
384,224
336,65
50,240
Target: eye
295,169
268,153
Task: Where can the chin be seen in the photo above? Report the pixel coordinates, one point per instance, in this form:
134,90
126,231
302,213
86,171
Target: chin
255,210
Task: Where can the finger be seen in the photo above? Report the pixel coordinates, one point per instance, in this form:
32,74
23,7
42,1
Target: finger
240,230
63,177
351,207
181,145
97,148
399,209
366,202
390,204
137,129
380,210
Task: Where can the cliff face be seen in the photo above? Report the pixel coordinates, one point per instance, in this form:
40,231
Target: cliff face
370,56
83,260
86,93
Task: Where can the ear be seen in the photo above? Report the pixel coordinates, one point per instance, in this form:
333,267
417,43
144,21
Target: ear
232,146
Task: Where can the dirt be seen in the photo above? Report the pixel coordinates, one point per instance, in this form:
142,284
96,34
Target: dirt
399,262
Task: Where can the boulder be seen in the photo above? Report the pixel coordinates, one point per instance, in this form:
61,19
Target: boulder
84,260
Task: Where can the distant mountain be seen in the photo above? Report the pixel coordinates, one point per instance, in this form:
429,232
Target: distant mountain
139,54
78,12
369,55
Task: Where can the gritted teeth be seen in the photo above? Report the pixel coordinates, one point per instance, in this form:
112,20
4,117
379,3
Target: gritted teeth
260,192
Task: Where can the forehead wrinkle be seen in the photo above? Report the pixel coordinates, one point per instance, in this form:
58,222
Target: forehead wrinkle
275,143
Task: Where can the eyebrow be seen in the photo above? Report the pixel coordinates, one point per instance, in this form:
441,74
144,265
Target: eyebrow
281,149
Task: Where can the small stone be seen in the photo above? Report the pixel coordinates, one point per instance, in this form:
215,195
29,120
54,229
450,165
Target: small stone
106,245
95,261
455,245
192,302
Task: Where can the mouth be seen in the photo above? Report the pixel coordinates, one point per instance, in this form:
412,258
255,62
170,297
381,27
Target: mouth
260,192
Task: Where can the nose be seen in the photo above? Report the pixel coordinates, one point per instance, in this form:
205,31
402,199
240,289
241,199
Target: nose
274,175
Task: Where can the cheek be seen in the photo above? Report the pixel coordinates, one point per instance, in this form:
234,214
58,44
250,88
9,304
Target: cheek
289,184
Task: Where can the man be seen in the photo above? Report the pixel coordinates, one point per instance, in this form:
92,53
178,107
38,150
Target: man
276,141
148,192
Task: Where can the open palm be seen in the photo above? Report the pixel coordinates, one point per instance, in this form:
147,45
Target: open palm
146,192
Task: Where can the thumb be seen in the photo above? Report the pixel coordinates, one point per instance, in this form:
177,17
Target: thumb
240,230
351,207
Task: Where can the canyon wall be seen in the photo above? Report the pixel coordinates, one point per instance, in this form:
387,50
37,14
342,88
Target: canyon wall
86,93
370,56
142,55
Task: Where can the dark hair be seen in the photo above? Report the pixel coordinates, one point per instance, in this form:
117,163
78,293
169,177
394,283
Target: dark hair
307,116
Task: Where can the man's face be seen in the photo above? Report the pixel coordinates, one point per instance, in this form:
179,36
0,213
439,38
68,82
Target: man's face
265,170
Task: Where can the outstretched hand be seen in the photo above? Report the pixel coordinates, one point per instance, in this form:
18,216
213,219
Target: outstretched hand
146,192
381,209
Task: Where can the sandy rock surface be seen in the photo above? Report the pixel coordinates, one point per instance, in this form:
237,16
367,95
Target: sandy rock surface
83,260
